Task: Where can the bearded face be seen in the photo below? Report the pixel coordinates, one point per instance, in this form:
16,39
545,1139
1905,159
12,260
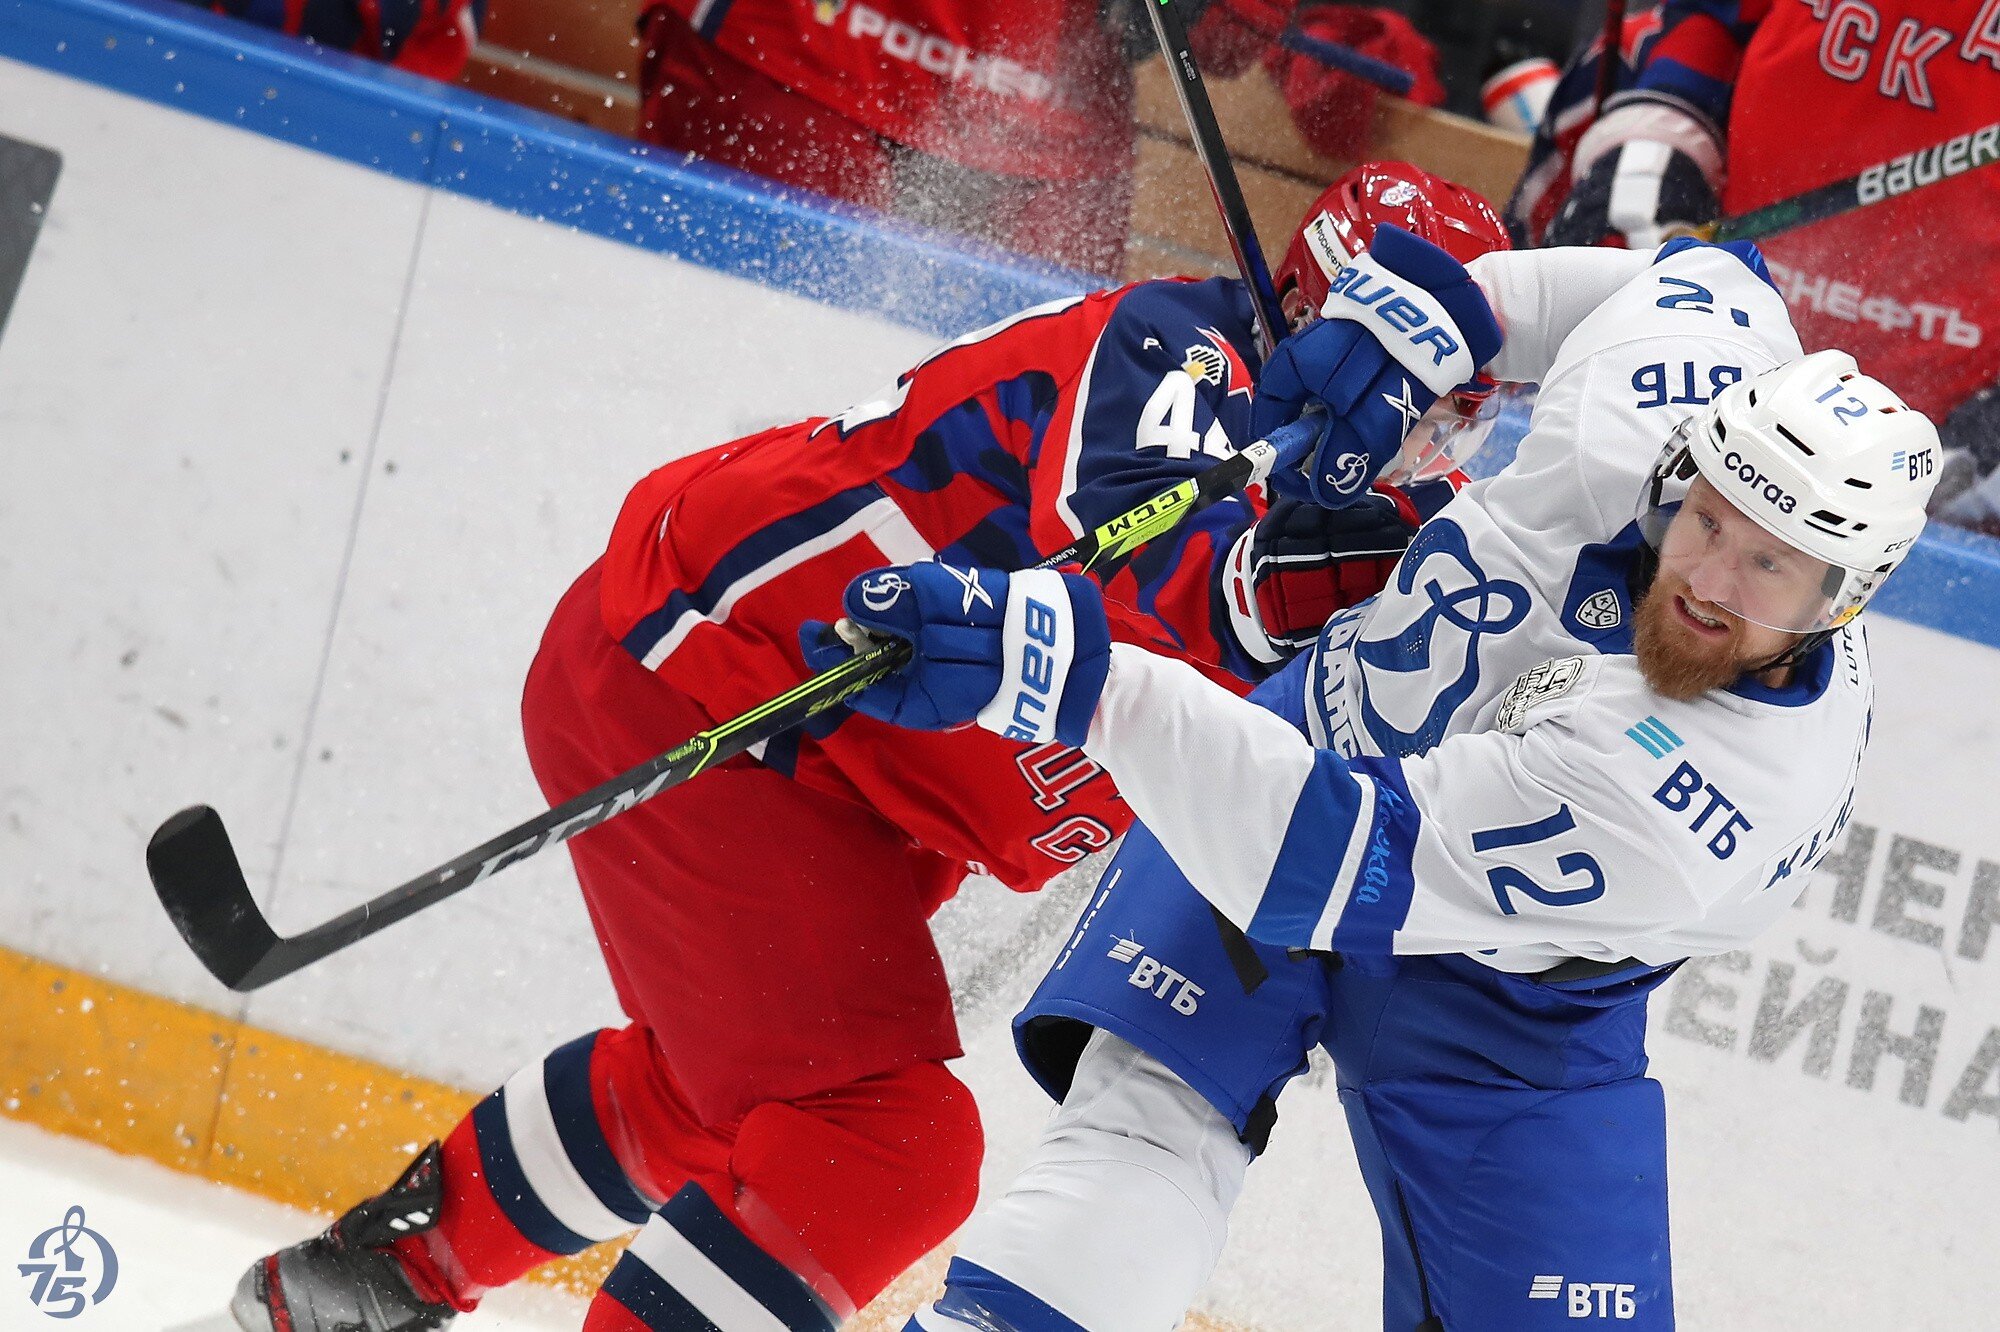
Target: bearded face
1687,646
1687,641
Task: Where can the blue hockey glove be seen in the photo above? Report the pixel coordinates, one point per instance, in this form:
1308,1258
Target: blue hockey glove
1021,654
1403,324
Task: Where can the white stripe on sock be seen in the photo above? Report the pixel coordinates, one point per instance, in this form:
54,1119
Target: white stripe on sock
531,1124
700,1282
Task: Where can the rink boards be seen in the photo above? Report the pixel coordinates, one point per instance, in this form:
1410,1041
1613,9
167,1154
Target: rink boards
320,384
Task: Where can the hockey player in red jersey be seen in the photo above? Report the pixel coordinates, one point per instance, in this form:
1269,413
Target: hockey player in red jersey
777,1120
1735,104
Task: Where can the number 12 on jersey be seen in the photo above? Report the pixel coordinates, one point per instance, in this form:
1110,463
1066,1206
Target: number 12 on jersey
1506,878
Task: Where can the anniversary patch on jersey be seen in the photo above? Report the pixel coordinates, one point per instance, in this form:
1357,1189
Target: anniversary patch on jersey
1535,686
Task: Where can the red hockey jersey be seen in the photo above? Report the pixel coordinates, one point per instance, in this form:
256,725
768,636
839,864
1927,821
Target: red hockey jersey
1829,88
997,448
1815,91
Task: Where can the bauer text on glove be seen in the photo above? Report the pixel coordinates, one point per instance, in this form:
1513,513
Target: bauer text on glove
1402,325
1022,654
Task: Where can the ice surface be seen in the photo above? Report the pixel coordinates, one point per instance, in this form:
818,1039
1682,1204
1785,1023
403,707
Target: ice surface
181,1242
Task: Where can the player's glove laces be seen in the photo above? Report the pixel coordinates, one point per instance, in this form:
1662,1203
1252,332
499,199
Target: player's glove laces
1403,324
1023,654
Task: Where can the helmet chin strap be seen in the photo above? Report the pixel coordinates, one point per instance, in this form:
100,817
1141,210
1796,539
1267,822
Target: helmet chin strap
1796,653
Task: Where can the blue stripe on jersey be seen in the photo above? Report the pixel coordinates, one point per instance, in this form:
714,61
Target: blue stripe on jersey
509,1182
1743,251
1307,869
981,1299
1379,901
1325,839
1000,540
566,1079
651,1300
749,555
710,23
1707,95
763,1277
962,442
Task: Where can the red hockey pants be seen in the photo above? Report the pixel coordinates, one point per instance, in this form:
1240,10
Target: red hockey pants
781,1092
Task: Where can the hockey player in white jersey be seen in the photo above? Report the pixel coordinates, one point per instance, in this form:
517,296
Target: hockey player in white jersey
1606,717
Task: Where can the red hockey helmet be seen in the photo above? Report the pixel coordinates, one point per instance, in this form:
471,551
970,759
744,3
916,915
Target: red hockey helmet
1343,219
1339,225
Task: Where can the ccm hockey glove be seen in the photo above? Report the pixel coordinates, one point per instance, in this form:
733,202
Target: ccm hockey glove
1022,654
1402,325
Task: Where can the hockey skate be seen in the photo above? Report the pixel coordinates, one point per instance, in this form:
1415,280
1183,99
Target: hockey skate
346,1279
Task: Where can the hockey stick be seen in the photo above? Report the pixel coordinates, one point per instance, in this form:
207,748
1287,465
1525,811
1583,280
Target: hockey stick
201,883
1214,155
1892,179
1612,58
1336,55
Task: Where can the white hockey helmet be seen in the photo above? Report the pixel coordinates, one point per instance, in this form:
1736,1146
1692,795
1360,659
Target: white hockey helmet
1818,455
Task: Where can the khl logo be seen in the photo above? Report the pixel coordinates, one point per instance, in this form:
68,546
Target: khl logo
70,1276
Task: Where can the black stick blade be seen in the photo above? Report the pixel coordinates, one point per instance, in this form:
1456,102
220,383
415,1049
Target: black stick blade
200,883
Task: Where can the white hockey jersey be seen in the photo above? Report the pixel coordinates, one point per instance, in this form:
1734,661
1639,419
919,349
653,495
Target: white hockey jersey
1476,763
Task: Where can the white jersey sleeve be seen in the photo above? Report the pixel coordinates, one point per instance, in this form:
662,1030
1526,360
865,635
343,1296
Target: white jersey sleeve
1540,296
1594,820
1490,840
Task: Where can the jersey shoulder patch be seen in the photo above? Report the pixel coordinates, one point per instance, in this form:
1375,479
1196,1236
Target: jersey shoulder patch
1536,691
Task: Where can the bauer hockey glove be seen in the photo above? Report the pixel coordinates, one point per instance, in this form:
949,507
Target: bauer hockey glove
1402,325
1023,654
1647,170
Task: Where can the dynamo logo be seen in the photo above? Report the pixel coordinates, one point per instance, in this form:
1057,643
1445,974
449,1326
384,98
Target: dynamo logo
1434,659
1350,471
883,590
70,1268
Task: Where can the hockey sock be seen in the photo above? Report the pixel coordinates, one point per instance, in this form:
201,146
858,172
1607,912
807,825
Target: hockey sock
827,1200
693,1268
529,1176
